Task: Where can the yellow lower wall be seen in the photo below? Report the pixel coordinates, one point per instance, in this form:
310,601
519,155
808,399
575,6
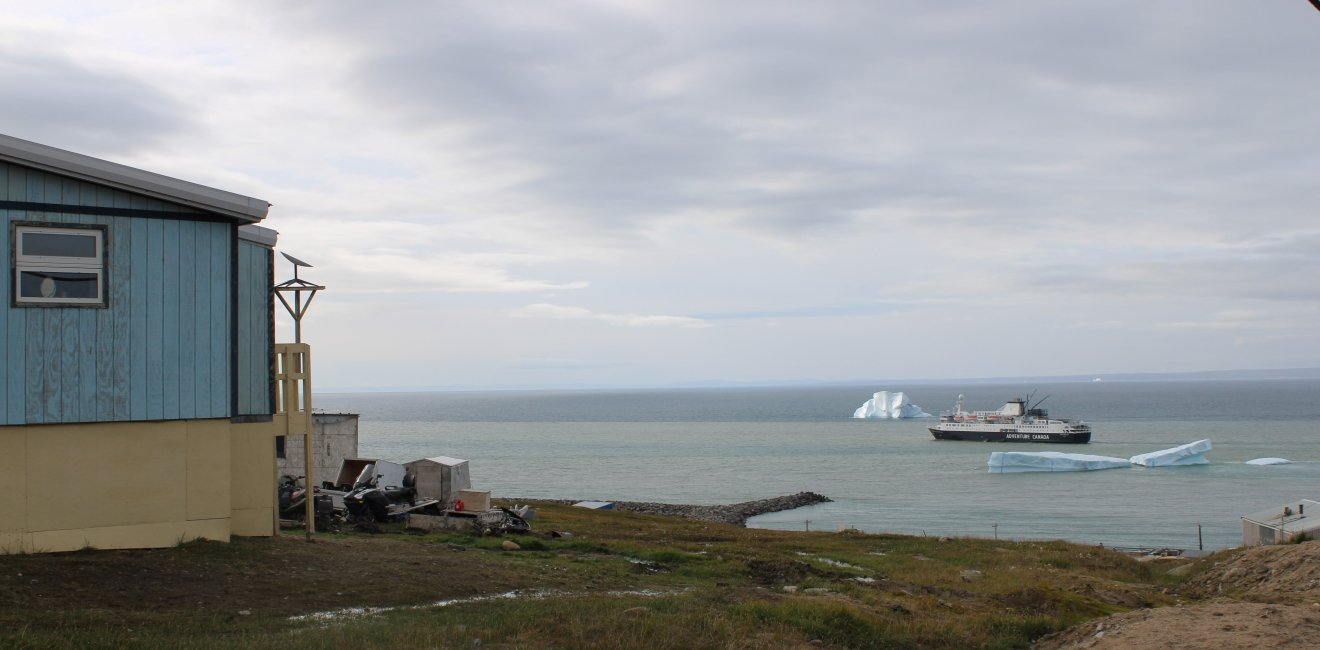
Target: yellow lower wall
134,484
252,477
13,490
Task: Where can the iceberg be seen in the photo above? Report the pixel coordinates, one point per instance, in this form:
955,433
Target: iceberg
1268,461
885,405
1012,462
1192,453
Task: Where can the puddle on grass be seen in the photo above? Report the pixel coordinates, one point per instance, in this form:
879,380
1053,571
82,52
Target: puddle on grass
825,560
330,616
356,612
843,565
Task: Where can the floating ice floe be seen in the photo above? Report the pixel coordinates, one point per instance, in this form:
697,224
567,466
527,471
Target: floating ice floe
1010,462
1268,461
1192,453
885,405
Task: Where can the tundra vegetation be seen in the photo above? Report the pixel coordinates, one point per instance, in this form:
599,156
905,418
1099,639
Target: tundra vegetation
582,579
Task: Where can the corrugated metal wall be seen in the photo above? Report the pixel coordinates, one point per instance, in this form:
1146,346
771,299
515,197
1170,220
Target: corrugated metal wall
161,349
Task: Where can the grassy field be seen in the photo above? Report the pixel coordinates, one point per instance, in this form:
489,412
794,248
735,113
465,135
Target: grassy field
614,580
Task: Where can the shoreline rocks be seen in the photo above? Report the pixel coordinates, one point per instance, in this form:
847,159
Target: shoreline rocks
735,514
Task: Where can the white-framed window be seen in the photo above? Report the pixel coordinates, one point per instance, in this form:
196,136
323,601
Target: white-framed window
59,265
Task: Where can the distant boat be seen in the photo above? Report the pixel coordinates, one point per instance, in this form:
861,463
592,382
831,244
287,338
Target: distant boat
1014,422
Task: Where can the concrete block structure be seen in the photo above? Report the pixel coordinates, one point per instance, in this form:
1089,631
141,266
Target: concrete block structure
336,439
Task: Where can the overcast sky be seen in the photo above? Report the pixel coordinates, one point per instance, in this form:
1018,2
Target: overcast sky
605,193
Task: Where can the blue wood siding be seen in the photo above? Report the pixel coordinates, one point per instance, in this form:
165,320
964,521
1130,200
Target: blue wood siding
220,329
165,345
254,322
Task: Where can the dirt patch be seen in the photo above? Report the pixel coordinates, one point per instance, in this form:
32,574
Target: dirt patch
1282,584
1287,573
1223,625
779,572
1029,600
1130,599
280,576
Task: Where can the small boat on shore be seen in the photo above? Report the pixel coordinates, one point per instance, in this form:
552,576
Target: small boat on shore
1014,422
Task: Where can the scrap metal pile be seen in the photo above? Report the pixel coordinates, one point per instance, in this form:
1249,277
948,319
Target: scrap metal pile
429,493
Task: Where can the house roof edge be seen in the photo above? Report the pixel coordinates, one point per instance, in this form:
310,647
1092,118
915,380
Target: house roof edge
46,158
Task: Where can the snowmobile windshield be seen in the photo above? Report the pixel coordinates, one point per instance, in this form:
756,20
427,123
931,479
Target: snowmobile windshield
367,477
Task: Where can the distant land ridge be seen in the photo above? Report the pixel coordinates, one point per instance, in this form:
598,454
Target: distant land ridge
1205,375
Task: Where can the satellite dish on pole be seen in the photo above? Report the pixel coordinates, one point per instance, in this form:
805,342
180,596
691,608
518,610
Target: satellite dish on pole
297,286
296,263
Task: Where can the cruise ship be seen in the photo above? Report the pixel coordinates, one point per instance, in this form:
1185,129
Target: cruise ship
1014,422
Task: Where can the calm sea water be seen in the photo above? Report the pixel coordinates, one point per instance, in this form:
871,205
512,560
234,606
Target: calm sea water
711,446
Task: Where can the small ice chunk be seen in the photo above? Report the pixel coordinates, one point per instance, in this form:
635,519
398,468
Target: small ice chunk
1268,461
885,405
1012,462
1192,453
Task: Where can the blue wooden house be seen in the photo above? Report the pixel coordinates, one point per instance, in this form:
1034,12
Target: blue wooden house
142,387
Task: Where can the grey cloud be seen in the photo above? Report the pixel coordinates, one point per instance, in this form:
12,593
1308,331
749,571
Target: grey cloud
51,97
1282,268
1003,116
817,311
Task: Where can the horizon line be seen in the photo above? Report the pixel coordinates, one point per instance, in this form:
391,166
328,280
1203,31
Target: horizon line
1202,375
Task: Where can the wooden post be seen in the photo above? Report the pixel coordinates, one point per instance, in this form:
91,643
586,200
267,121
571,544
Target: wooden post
294,375
275,469
305,361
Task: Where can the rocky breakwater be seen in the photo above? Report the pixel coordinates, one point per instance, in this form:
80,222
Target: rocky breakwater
736,514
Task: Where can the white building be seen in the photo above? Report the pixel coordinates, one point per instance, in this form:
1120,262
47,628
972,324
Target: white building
1282,524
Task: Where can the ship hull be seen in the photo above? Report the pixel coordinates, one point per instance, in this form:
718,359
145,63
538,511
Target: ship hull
1008,434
